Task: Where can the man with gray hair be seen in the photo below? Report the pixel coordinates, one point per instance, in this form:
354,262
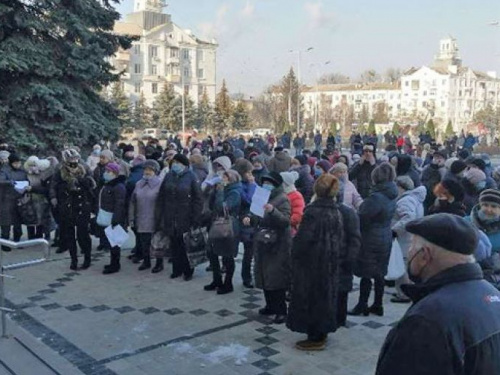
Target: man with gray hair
453,326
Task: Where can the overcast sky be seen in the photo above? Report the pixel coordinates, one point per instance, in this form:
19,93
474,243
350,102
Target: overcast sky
255,36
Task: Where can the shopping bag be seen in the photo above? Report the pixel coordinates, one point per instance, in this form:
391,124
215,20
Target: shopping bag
397,267
160,245
195,242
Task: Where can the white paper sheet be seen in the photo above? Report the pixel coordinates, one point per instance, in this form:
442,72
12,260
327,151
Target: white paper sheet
117,236
21,185
259,200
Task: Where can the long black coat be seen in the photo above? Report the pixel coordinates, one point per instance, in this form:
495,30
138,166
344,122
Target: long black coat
272,264
73,205
375,214
179,204
361,175
315,269
350,248
113,198
8,195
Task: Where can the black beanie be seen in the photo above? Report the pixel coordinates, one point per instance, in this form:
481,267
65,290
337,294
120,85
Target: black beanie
302,159
13,158
458,166
181,159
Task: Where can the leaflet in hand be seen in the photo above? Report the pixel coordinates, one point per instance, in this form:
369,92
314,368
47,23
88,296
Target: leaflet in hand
117,236
259,200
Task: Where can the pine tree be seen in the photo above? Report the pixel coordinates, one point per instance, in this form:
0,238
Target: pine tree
371,127
241,119
431,128
141,117
204,113
53,64
121,103
223,109
164,111
449,132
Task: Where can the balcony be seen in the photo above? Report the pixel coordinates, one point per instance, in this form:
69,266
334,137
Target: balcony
174,78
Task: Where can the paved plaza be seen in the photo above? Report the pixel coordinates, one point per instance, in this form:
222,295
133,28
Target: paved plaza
135,323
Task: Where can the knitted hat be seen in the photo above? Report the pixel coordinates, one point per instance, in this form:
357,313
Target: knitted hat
384,172
138,160
338,167
490,196
97,147
302,159
108,154
242,166
152,164
180,158
274,178
289,178
113,167
324,164
475,175
405,182
224,162
458,166
13,158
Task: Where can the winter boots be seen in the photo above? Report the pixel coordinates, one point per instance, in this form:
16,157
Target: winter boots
158,266
146,263
114,265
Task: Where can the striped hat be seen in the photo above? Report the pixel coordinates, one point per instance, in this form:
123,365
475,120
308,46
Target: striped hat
490,196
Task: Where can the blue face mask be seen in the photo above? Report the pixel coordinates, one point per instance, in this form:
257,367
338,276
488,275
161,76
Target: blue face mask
318,172
177,168
268,187
108,176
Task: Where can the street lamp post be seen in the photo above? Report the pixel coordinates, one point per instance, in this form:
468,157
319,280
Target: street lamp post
299,83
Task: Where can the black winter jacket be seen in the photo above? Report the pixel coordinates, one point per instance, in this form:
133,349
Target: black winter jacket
361,175
112,198
453,327
350,248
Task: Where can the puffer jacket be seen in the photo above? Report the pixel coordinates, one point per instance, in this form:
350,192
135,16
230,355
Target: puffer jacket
409,206
112,198
297,204
143,205
351,196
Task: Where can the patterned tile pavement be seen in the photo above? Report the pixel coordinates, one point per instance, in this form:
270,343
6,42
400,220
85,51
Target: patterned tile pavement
141,323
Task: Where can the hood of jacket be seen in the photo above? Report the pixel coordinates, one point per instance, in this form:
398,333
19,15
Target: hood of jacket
389,189
418,193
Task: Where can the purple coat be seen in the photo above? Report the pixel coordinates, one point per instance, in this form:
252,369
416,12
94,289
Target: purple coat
143,204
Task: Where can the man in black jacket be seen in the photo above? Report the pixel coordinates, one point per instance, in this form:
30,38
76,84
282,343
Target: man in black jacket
453,327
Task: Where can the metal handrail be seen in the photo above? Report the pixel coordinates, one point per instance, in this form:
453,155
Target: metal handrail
14,266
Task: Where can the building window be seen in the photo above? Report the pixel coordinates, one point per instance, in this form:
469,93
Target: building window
425,93
407,83
137,68
137,87
174,52
186,72
201,55
154,51
200,91
185,54
137,49
154,70
201,73
154,88
415,85
186,89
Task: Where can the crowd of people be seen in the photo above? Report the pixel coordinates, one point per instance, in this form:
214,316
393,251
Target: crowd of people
330,216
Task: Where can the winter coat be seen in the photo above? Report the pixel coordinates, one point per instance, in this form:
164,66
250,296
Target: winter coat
409,206
179,203
8,195
405,168
92,162
258,174
305,182
74,204
375,214
315,269
452,328
230,198
135,176
200,171
351,196
247,191
351,245
362,175
40,187
112,198
431,176
272,263
281,162
142,209
471,196
491,229
297,205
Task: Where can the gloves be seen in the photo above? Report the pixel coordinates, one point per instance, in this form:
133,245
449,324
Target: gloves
53,202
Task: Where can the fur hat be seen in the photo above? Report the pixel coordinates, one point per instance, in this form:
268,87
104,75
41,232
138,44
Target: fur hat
242,166
384,172
108,154
224,162
152,164
338,167
180,158
113,167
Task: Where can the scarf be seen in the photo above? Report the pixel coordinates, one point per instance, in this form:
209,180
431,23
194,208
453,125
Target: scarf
71,175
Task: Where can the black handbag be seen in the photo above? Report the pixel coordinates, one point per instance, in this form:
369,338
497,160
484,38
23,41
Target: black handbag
26,210
265,237
195,242
222,229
